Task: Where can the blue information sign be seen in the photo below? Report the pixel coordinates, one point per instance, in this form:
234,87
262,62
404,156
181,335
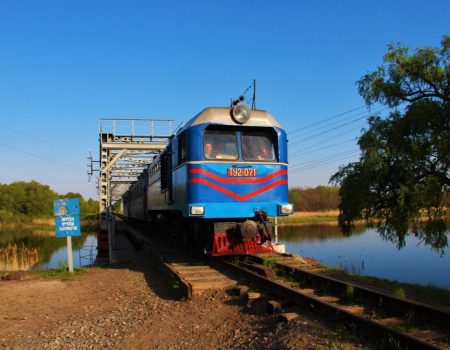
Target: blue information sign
66,206
68,225
67,217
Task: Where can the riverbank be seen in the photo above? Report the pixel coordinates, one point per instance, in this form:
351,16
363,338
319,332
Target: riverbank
133,305
431,295
298,218
328,217
28,245
22,221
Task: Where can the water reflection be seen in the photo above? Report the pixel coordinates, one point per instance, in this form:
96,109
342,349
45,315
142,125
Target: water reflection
366,253
60,255
314,232
14,258
25,248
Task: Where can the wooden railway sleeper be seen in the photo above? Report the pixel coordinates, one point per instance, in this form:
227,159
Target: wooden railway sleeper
420,338
260,269
387,302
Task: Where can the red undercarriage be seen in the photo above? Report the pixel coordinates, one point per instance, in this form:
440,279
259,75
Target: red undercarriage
225,245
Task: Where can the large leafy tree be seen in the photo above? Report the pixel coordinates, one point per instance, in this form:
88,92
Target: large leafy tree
401,181
33,199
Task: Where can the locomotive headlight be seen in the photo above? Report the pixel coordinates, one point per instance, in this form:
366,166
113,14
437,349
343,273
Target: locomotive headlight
286,209
241,114
197,210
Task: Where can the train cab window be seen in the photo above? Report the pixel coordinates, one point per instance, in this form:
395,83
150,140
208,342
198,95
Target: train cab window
220,145
257,146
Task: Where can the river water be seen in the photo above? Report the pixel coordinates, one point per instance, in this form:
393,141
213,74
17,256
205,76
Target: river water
366,253
88,252
28,248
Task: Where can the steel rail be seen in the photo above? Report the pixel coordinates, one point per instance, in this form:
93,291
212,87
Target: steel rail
375,328
299,298
388,302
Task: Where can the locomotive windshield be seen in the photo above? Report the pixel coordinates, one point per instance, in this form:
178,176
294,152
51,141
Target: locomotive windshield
220,145
257,146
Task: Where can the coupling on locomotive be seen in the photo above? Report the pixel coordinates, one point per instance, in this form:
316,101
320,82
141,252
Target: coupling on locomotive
217,182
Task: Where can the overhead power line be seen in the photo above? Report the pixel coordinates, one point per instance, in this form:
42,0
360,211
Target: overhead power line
325,120
338,123
322,142
328,157
297,170
40,157
320,149
36,138
328,131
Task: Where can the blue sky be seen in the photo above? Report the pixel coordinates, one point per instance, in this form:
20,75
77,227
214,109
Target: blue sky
65,64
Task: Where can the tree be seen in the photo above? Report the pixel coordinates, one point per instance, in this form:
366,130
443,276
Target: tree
401,181
33,199
87,207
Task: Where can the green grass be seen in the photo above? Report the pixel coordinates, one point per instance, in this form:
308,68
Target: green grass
287,220
427,294
18,220
61,274
269,263
407,327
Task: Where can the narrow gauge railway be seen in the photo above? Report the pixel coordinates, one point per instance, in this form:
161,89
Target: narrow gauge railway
407,323
216,183
194,272
214,187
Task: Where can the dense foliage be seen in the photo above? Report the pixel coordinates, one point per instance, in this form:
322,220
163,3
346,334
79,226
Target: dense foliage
401,181
32,200
313,199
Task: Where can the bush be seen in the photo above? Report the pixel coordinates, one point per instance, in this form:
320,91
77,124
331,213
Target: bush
7,217
314,199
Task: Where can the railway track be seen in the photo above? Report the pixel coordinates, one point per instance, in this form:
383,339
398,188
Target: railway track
194,273
402,322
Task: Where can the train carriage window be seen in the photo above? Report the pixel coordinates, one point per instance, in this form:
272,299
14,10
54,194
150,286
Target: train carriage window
257,146
220,145
181,149
164,170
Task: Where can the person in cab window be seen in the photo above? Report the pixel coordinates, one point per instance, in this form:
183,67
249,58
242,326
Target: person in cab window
209,151
264,153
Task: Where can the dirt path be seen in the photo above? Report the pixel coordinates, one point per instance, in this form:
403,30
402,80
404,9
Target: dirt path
132,306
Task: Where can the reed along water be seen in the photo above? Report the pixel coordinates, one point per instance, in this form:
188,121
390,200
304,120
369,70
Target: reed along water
23,248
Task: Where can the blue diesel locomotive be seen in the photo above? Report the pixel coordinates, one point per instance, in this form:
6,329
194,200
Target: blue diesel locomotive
217,182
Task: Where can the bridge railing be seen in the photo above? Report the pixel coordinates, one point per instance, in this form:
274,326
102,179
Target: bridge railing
136,130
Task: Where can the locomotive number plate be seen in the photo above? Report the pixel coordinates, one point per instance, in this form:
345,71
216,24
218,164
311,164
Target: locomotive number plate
248,172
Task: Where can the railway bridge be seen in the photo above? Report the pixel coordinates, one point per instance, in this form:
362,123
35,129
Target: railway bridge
126,148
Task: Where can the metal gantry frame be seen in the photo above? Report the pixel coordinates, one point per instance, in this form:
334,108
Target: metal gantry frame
127,147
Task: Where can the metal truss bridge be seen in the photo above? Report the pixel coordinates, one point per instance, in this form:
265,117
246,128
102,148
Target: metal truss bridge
127,147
